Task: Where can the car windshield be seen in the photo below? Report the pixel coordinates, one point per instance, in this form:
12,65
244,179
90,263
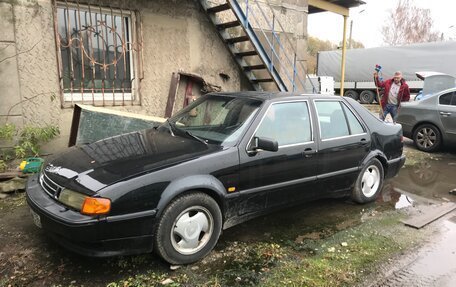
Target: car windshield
218,119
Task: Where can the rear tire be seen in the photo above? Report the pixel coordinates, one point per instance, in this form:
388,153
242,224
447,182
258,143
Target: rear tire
369,183
352,94
188,229
366,97
427,138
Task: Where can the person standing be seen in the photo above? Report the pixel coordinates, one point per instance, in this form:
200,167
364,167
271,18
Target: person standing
396,91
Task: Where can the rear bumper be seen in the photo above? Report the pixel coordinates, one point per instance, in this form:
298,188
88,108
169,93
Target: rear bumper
87,235
394,166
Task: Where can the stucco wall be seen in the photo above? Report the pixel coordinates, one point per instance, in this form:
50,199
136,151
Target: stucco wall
177,36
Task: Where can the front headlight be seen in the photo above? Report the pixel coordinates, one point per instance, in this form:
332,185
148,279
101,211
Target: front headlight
72,198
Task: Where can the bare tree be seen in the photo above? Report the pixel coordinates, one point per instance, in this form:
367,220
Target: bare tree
409,24
315,45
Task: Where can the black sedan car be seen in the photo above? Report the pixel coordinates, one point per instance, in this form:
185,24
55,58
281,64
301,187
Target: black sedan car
220,161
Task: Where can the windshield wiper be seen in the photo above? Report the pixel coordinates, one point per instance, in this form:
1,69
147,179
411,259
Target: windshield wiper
195,137
170,127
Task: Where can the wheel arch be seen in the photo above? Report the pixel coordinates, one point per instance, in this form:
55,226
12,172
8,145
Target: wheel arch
377,154
207,184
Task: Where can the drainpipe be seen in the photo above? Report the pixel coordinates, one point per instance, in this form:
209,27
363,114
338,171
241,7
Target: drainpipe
344,49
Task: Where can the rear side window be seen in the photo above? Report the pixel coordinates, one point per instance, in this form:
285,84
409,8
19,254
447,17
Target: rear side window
336,120
355,126
448,99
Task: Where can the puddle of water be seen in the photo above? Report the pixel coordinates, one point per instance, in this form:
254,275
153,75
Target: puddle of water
438,260
428,178
403,202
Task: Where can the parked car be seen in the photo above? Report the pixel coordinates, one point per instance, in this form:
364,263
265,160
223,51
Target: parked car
220,161
434,82
431,121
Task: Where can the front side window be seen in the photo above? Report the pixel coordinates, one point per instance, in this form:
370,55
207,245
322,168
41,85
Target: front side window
216,119
96,53
336,120
287,123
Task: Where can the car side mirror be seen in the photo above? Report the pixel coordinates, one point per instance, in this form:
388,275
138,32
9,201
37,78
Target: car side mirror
264,144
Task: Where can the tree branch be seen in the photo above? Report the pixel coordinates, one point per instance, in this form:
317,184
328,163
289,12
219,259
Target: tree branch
22,52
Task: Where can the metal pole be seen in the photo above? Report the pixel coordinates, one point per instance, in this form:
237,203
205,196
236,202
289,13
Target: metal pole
350,37
344,42
294,73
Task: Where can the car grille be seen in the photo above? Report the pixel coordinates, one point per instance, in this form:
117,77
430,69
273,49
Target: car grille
51,188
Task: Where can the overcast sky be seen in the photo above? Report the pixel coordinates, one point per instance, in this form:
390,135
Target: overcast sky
368,20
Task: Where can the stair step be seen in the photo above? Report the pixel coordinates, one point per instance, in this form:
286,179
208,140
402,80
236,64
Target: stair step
228,25
254,67
219,8
246,53
262,80
237,39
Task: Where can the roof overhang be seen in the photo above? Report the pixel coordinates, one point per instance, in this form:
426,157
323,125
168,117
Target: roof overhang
340,7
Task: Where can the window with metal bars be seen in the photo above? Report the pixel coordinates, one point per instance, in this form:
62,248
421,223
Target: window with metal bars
96,54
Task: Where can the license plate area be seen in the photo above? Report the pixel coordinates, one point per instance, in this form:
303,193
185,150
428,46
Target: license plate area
36,218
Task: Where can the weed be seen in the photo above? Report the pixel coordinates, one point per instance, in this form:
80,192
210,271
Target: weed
23,142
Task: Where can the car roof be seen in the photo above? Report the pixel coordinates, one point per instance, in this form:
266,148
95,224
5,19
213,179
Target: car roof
276,95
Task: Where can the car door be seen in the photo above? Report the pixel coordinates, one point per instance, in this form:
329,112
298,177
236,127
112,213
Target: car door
447,113
344,142
288,174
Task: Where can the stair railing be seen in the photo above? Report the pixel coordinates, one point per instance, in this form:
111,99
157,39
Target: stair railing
288,68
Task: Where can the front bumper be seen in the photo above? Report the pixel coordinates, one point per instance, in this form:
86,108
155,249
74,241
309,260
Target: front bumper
89,235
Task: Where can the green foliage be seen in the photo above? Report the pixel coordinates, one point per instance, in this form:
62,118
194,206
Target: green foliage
150,279
315,45
3,165
24,142
30,139
7,132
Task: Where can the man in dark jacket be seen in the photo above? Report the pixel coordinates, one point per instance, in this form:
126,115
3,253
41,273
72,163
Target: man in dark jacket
396,91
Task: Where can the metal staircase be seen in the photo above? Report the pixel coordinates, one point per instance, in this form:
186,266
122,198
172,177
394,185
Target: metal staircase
267,61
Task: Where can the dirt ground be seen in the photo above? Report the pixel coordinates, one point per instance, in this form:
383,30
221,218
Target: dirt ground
247,255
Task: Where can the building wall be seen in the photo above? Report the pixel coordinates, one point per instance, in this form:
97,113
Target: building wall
177,35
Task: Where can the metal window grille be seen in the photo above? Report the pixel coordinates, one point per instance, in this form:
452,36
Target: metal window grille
99,54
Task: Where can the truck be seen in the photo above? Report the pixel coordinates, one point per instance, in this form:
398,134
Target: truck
360,65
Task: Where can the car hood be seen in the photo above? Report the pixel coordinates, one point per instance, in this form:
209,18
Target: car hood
91,167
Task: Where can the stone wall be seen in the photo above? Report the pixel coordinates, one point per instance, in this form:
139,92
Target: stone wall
177,36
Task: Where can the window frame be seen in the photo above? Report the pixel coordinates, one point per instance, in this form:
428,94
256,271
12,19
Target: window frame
312,134
107,97
341,102
452,99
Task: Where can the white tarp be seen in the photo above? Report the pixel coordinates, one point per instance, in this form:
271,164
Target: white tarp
360,63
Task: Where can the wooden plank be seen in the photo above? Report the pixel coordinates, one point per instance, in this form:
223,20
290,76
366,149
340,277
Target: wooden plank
430,215
11,174
172,94
219,8
237,39
227,25
246,53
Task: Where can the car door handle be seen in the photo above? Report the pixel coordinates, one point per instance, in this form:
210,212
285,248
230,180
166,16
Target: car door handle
308,152
445,114
363,142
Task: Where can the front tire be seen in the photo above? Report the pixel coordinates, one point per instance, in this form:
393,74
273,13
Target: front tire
369,183
188,229
427,138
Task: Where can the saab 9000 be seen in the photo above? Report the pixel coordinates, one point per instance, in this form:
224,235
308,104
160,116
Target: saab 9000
223,159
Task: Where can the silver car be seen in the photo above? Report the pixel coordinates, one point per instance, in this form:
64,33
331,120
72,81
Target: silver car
430,122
